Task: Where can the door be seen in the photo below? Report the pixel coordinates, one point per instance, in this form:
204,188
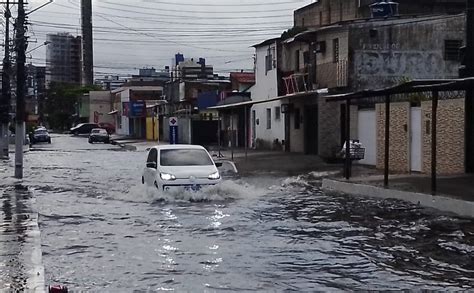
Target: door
367,132
415,139
149,174
311,129
254,127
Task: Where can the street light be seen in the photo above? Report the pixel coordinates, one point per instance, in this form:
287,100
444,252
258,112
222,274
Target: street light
44,44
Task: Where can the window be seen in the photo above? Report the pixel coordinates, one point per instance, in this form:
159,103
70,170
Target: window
268,61
185,157
451,49
335,49
269,118
297,118
320,18
277,113
152,156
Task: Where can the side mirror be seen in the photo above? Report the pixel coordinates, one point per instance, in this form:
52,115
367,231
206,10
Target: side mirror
218,165
151,165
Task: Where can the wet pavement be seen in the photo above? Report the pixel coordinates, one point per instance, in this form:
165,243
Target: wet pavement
102,230
20,252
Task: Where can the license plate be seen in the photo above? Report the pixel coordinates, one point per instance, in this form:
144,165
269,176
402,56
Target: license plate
192,188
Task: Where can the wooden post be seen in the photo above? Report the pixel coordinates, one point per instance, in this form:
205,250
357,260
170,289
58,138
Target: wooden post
434,114
387,141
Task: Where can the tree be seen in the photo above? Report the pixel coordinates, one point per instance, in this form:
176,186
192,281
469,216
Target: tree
61,104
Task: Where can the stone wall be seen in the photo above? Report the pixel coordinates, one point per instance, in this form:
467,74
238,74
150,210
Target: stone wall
450,136
399,137
329,138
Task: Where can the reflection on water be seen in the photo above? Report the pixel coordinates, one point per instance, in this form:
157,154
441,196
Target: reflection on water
101,229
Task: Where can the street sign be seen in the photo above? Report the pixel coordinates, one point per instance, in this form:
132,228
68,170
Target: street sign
173,122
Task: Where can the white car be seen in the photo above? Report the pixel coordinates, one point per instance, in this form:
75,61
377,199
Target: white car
187,167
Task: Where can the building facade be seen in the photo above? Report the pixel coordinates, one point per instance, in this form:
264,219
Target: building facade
327,12
63,59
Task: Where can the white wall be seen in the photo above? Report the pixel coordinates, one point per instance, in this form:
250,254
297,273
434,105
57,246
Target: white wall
100,102
265,88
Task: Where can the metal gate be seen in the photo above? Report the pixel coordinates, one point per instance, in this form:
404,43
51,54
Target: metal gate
368,136
415,139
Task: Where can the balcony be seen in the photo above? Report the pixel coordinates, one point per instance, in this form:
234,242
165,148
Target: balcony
332,75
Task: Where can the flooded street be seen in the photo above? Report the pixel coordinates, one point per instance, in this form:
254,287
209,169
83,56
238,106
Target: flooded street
101,229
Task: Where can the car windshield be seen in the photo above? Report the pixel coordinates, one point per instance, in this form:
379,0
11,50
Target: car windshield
185,157
41,131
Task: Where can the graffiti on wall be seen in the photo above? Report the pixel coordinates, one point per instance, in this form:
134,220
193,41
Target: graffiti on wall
413,64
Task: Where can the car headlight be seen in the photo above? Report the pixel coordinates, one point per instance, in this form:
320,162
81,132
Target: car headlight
215,176
167,177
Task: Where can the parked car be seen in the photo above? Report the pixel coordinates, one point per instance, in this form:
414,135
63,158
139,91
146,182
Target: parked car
188,167
107,126
40,135
99,135
83,128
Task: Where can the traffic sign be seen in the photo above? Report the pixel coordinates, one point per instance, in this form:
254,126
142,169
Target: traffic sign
173,130
173,121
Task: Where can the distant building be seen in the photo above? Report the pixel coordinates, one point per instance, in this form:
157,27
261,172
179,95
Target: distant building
63,59
110,82
36,90
190,69
150,74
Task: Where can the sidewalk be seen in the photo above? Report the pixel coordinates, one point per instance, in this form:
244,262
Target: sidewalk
455,194
21,266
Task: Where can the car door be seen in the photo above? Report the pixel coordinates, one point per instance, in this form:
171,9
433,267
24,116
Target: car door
151,167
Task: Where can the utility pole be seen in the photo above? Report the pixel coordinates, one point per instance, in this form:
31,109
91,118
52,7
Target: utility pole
469,100
5,99
20,48
87,43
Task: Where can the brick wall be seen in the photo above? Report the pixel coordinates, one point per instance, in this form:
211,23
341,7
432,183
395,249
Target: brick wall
450,136
399,137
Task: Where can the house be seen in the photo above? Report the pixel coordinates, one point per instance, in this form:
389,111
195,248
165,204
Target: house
296,71
328,12
266,119
193,88
130,104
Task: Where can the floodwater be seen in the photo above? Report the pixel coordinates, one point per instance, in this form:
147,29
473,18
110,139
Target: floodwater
102,230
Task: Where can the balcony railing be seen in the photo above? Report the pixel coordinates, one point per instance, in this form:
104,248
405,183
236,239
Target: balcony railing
332,75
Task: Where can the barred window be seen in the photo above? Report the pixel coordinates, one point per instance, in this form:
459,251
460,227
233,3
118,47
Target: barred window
451,49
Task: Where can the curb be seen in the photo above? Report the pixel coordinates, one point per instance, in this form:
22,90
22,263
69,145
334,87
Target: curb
124,146
445,204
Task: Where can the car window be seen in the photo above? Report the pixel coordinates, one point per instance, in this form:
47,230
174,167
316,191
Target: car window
41,131
152,156
185,157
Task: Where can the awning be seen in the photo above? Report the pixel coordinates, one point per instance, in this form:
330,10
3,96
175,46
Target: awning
290,96
112,112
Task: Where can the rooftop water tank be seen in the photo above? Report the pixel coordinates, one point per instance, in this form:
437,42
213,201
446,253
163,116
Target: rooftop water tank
382,9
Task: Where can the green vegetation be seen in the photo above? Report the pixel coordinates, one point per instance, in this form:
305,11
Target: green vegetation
61,104
292,32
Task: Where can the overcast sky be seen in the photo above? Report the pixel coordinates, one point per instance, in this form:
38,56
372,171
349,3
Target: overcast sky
131,34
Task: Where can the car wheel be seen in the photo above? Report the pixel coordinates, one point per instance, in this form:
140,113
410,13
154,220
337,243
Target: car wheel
156,185
143,180
49,141
76,133
90,141
107,141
